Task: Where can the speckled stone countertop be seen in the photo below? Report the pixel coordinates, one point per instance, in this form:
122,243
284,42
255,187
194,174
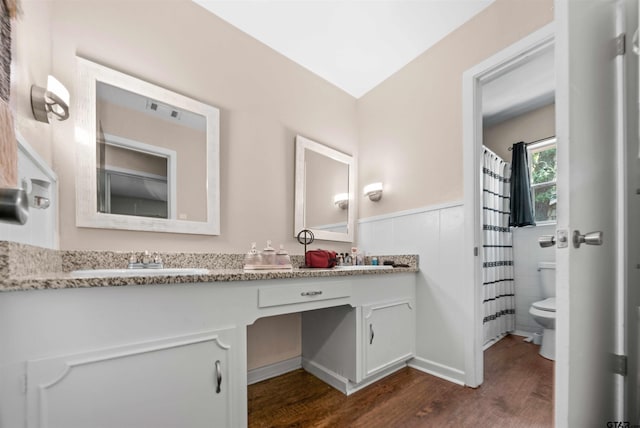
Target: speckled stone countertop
26,267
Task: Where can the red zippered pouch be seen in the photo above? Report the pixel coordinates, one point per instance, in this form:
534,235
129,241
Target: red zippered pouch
320,259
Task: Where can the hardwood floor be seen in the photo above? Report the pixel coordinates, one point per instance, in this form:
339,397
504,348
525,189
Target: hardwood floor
517,392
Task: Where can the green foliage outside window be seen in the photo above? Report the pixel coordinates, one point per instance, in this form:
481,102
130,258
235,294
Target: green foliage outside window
543,182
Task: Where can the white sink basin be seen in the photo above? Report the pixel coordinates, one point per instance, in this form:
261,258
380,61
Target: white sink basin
104,273
363,267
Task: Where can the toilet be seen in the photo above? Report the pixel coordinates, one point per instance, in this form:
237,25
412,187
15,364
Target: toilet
544,311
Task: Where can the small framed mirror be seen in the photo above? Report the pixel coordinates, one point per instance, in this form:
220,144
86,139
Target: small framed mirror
324,191
148,158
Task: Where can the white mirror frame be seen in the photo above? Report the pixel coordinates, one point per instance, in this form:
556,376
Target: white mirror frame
302,145
87,215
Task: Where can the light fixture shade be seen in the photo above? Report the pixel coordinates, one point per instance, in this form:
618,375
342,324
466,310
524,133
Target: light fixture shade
373,191
341,200
55,87
54,100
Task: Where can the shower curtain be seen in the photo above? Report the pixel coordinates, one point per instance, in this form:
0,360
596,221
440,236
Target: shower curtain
497,268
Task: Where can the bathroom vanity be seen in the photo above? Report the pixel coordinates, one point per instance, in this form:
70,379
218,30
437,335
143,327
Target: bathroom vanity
159,352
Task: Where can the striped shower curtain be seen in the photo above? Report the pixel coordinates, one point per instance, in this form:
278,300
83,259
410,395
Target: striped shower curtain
497,267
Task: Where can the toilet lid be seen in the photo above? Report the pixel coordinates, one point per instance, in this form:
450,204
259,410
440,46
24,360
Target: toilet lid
546,304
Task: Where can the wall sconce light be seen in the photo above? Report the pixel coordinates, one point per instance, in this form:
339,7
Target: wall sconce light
53,100
373,191
341,200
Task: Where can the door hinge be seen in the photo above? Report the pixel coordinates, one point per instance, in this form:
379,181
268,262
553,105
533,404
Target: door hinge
475,251
24,383
619,364
621,42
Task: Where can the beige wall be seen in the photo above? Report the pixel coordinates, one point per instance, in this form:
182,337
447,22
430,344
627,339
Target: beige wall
30,65
532,126
269,340
411,125
264,99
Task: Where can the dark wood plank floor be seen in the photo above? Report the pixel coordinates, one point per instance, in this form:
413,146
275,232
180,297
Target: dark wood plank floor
517,392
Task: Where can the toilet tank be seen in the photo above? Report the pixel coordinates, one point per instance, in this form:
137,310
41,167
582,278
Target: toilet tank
547,275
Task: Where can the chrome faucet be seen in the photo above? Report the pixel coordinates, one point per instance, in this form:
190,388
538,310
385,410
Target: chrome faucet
147,262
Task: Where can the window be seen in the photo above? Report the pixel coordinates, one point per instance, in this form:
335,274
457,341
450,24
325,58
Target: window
543,169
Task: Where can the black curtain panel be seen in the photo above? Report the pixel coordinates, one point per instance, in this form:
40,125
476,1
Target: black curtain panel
521,201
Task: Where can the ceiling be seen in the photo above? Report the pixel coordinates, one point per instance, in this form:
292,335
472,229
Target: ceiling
354,44
527,87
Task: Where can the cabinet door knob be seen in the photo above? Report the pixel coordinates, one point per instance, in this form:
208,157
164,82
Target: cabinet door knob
371,334
218,377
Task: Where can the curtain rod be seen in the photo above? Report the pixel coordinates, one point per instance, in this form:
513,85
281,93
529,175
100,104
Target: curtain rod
536,141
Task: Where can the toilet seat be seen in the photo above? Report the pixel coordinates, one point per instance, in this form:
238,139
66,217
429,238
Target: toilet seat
548,305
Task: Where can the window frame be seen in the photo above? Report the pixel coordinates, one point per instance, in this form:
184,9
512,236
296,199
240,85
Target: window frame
538,146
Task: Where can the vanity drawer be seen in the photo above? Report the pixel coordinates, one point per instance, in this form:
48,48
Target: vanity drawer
287,295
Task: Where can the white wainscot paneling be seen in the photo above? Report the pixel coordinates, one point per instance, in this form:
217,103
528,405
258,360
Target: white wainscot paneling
436,234
41,228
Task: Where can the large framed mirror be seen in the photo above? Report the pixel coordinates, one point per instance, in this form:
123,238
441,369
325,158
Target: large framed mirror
148,158
324,191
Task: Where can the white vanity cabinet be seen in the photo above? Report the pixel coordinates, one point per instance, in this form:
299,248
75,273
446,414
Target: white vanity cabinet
175,355
123,357
180,381
389,335
350,347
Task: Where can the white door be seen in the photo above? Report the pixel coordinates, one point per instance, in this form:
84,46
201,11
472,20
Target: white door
587,112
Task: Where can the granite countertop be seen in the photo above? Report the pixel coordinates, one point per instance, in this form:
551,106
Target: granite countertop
66,280
24,267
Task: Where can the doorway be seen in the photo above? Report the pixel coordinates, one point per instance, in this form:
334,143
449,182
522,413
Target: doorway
490,70
519,106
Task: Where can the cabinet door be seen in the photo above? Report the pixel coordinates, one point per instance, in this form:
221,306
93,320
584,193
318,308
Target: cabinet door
183,381
389,335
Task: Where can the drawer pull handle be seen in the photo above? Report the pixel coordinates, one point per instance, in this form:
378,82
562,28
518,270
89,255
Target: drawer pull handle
311,293
218,377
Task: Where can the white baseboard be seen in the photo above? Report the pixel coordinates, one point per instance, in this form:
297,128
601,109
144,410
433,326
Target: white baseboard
329,377
522,333
438,370
492,342
273,370
343,384
525,334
